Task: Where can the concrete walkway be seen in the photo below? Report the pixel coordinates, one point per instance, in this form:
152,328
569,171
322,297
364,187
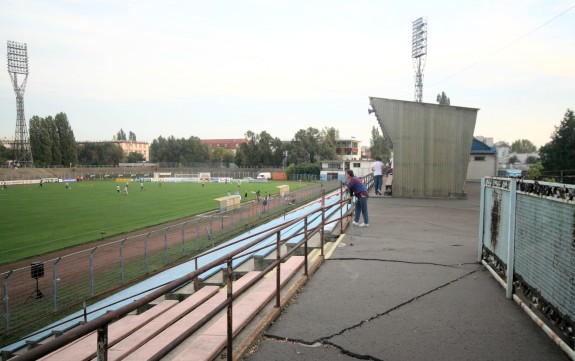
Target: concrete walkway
407,288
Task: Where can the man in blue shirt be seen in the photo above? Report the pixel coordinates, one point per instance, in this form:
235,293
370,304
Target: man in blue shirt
359,190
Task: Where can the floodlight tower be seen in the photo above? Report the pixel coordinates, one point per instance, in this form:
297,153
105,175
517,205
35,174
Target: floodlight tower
18,64
418,53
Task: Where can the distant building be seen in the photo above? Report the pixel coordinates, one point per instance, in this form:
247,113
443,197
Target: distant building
503,149
7,142
335,169
229,144
349,149
482,161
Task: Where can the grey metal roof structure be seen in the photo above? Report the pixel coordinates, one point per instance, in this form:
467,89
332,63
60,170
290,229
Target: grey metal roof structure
430,145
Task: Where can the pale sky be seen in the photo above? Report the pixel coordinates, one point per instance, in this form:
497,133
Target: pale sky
216,69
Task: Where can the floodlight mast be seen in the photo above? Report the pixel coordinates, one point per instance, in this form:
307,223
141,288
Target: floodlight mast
18,64
418,53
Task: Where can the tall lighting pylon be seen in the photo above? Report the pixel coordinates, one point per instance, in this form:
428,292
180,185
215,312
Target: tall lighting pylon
418,53
18,64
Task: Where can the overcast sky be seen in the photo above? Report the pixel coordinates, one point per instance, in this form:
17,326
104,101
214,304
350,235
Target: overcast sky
216,69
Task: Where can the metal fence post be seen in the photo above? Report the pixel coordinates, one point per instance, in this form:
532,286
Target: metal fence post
511,239
184,238
146,240
166,244
122,261
55,284
6,302
481,221
92,270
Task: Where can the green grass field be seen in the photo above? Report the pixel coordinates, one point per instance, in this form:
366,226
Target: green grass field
35,220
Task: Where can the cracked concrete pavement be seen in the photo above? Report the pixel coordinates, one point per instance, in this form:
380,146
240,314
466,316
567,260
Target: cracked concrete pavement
407,288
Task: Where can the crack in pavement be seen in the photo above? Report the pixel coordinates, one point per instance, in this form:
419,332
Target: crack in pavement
395,261
326,339
320,344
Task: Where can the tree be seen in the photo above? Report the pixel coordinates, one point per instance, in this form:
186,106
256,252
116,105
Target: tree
442,99
523,146
179,150
221,154
305,146
513,159
132,137
259,150
135,157
55,141
121,135
328,143
100,154
531,160
559,153
534,171
377,145
40,141
68,146
6,154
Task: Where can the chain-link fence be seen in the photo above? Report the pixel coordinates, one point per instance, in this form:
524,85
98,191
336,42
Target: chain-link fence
49,289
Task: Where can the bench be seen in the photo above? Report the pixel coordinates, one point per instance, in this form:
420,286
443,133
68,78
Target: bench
213,340
161,343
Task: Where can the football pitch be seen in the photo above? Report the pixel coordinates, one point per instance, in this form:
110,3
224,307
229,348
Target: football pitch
36,220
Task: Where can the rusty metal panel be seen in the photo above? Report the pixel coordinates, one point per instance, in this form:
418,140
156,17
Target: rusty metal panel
431,146
496,222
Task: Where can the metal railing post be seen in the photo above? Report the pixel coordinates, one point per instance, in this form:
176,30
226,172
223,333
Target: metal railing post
305,246
322,231
102,353
278,268
230,310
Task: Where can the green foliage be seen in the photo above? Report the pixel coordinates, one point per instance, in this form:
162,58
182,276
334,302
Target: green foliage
221,154
559,153
304,168
6,154
378,147
121,135
442,99
534,171
100,154
328,144
68,146
531,160
513,159
260,150
179,150
132,137
45,219
135,157
52,141
523,146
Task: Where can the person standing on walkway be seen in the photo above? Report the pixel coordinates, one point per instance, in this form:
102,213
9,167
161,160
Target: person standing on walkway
377,168
359,190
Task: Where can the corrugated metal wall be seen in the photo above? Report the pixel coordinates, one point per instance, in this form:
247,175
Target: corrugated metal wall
431,145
